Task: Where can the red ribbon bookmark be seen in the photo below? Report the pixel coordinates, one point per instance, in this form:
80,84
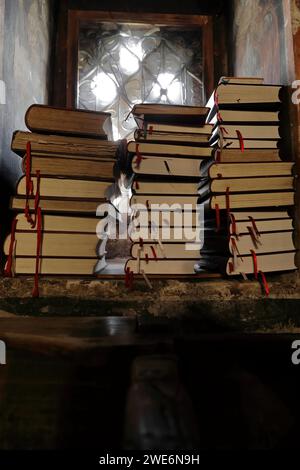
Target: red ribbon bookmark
218,155
129,276
253,237
227,196
231,268
37,197
218,218
255,269
139,157
153,252
8,267
254,226
265,283
35,292
216,98
240,137
235,247
233,224
29,183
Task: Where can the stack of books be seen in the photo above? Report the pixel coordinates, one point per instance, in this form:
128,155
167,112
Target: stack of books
170,144
247,188
68,163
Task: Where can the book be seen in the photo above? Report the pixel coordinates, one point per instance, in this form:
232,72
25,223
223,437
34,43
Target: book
246,185
248,131
242,80
265,263
251,200
244,215
147,148
59,144
264,219
244,243
226,116
58,205
59,266
166,234
67,188
165,187
166,113
70,174
77,167
230,155
165,251
166,158
47,119
225,142
242,95
153,127
246,103
169,137
166,166
58,223
242,226
73,245
240,169
69,157
167,218
162,266
170,199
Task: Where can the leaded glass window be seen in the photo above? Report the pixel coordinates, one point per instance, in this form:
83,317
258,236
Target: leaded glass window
121,65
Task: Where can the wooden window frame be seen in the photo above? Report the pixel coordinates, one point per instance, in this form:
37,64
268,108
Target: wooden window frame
78,17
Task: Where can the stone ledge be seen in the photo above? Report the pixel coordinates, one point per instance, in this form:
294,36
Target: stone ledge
215,305
281,286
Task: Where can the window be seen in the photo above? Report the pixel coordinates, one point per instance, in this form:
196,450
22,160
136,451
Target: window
120,65
116,59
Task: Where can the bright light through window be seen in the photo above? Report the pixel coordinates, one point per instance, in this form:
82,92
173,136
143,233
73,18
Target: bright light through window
130,57
167,88
104,88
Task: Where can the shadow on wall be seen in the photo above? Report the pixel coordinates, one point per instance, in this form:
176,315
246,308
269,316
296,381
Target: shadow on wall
25,27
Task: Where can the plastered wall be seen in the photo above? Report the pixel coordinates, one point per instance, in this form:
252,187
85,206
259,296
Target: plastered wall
25,27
